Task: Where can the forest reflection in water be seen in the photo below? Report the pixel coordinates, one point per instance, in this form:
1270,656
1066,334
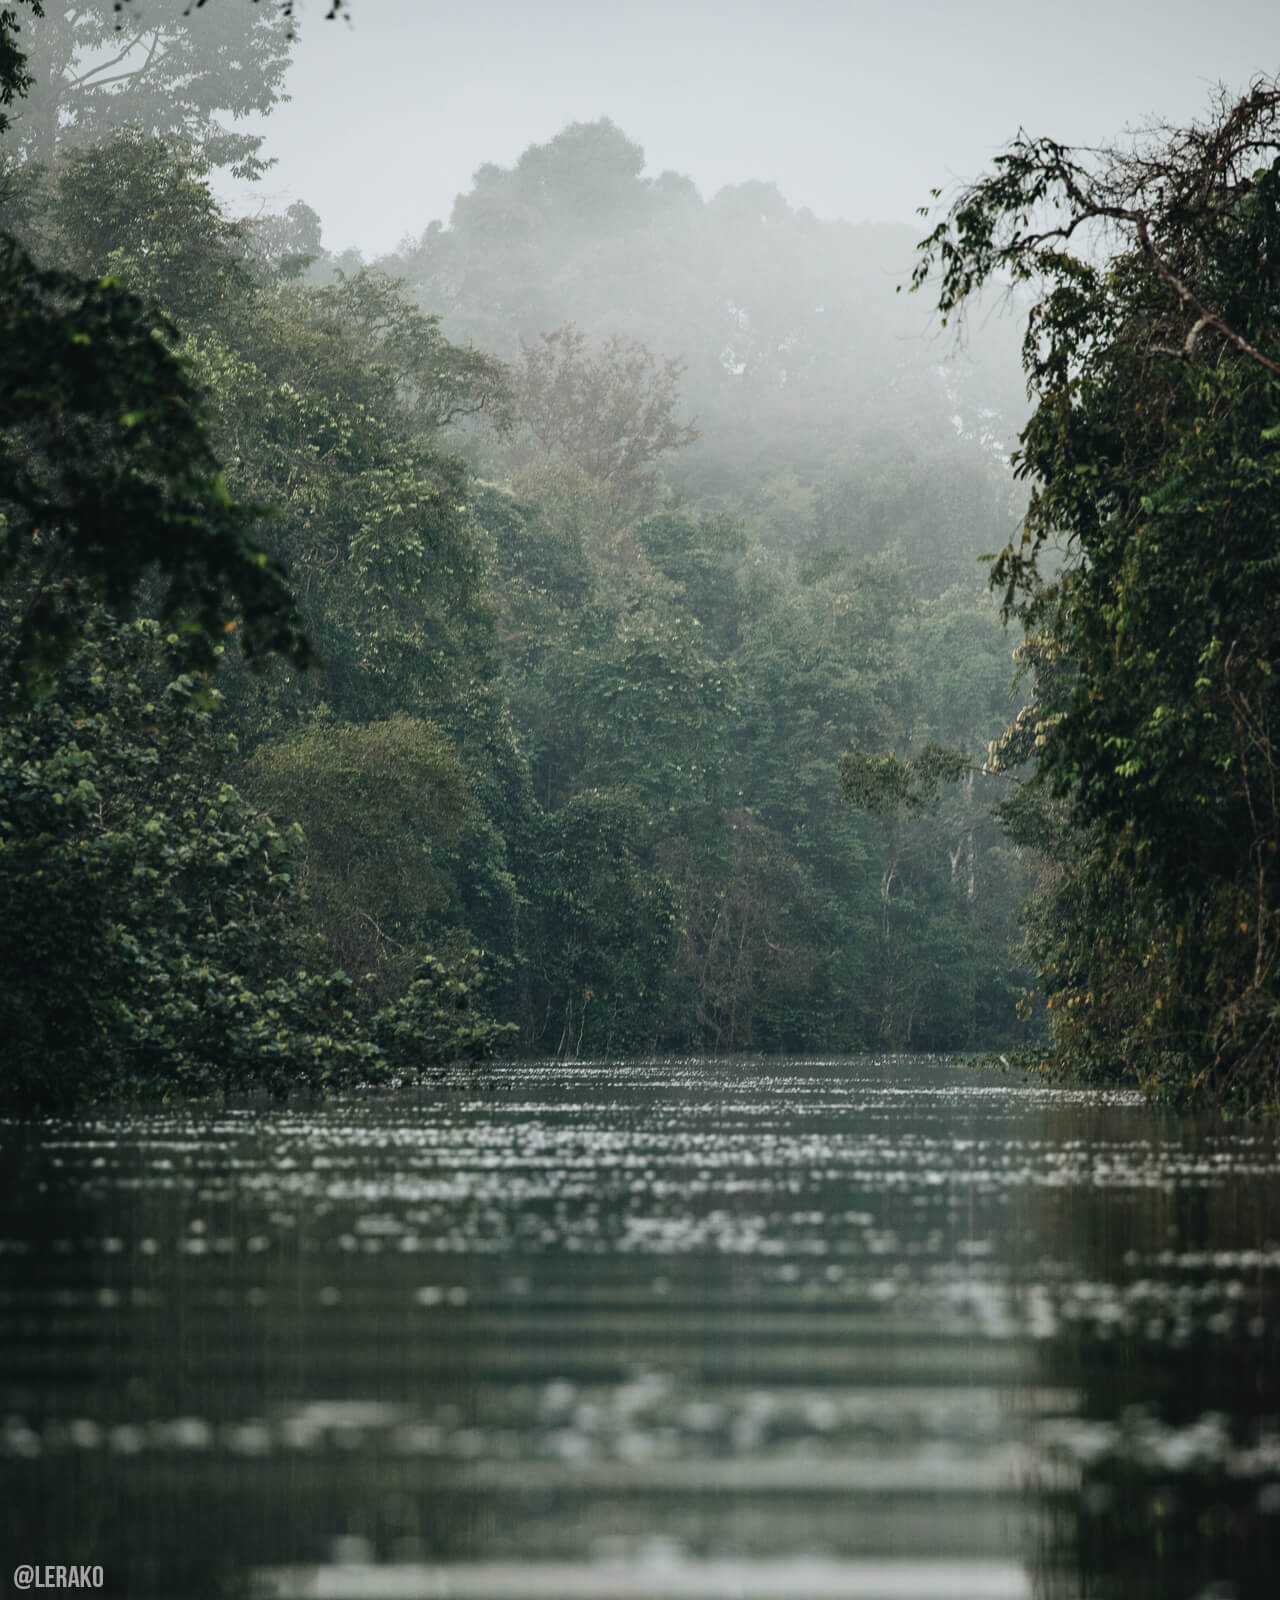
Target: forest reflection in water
861,1327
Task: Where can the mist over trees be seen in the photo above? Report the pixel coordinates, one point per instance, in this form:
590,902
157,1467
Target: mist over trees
829,408
620,537
100,68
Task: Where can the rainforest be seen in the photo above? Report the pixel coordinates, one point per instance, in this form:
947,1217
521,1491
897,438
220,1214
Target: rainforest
639,824
566,635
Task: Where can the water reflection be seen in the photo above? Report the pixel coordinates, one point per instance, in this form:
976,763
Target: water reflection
1156,1292
856,1328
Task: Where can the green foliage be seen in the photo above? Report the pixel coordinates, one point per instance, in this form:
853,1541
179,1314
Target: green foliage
377,803
601,934
650,709
886,783
748,971
701,555
140,211
711,658
107,474
434,1023
287,244
540,560
106,470
15,77
813,393
322,418
155,938
145,939
1152,453
716,690
173,69
327,402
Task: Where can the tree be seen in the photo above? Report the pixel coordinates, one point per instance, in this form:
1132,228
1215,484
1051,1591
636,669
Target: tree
153,941
328,417
588,174
106,470
747,960
324,404
517,226
602,932
137,209
611,411
1148,576
285,244
15,80
107,474
171,68
148,937
374,802
793,346
153,937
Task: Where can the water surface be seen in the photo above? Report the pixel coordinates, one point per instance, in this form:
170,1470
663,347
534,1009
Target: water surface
814,1328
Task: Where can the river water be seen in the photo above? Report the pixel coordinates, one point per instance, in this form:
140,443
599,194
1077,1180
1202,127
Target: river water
872,1328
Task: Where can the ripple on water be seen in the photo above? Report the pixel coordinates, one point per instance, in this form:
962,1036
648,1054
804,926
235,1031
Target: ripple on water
729,1306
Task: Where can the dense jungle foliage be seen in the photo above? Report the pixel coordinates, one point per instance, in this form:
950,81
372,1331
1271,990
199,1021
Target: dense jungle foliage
1147,580
619,539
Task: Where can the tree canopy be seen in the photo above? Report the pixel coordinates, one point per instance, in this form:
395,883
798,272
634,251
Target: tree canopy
175,69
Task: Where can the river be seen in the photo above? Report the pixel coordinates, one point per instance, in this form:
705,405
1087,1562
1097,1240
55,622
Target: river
871,1328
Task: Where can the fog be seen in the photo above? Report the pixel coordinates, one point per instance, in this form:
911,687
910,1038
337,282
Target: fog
618,510
854,110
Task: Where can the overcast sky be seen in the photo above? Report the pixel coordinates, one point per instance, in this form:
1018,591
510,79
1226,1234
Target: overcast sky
853,109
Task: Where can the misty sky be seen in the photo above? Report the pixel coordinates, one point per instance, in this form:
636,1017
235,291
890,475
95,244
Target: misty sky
853,109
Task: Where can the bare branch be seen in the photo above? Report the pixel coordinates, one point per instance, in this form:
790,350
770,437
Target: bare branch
1206,317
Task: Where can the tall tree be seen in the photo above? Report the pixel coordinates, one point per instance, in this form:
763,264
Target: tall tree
180,71
611,410
107,474
1148,573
